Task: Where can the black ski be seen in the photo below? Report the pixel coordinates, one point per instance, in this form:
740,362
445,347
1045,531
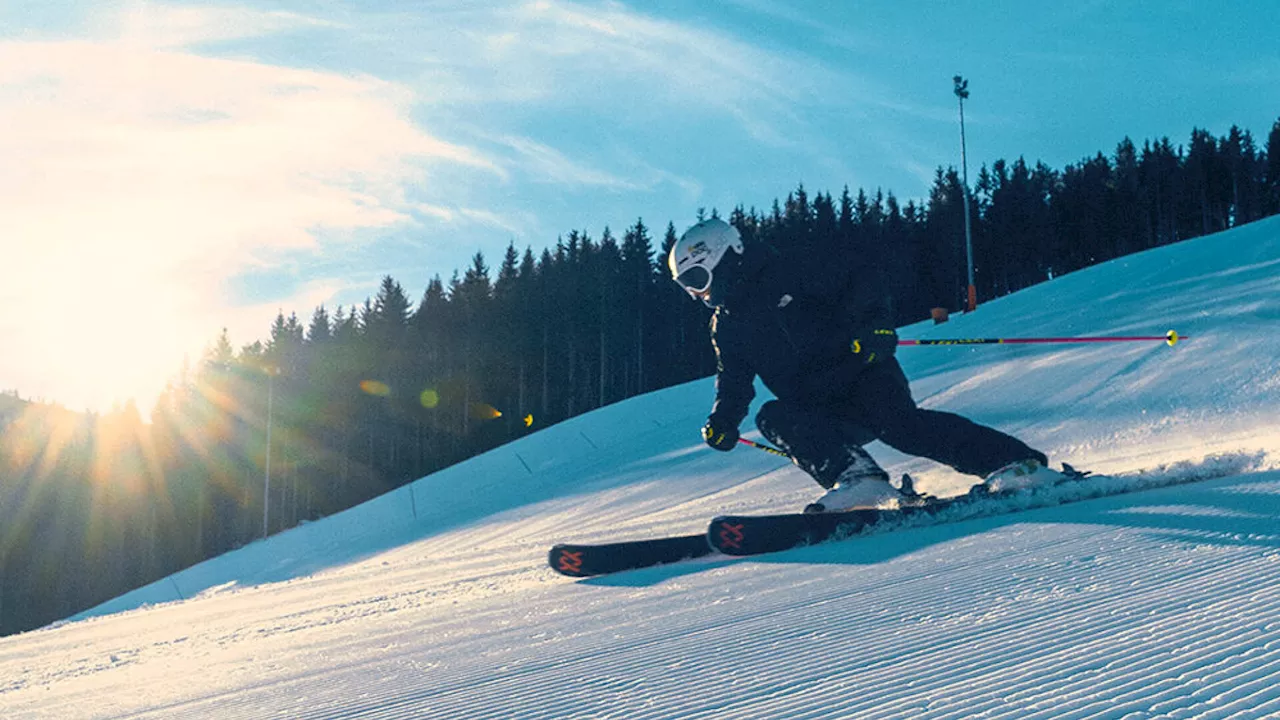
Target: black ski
756,534
588,560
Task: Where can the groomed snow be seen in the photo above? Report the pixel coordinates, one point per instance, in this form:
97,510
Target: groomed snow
434,601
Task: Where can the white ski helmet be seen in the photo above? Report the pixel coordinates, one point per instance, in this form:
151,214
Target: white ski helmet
696,254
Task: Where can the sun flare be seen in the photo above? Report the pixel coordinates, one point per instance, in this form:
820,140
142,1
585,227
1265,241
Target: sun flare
115,335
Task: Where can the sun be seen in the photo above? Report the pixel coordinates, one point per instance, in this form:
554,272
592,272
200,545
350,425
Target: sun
111,340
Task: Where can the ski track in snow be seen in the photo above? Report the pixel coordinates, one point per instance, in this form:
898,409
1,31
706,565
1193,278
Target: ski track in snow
1163,603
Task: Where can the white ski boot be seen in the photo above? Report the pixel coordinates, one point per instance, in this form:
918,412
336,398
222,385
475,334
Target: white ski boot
857,492
1022,475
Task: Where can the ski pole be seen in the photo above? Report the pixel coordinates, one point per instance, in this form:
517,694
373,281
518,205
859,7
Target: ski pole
766,448
1171,338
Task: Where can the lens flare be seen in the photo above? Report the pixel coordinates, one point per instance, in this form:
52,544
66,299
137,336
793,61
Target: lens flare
373,387
429,398
482,411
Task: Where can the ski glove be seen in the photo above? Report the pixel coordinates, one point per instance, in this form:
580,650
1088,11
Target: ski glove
874,346
720,438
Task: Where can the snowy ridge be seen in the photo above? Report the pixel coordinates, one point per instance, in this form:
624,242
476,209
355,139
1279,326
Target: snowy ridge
434,601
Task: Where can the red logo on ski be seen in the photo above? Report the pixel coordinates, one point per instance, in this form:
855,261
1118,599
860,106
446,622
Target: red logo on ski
570,562
731,536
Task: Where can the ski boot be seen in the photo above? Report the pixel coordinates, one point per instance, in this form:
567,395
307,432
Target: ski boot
1022,475
855,493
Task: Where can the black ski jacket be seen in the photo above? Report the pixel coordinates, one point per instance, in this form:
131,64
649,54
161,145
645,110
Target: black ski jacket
790,319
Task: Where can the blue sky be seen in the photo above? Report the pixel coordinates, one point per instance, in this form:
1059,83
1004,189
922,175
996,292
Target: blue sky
180,167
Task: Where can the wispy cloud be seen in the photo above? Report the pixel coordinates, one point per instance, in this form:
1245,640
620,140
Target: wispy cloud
156,26
522,224
138,176
591,55
543,163
157,154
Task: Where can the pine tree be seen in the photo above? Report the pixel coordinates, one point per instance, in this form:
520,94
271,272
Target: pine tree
1128,214
388,318
1204,182
637,279
319,332
1273,170
940,247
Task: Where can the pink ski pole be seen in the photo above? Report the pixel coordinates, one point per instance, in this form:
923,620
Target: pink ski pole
1171,338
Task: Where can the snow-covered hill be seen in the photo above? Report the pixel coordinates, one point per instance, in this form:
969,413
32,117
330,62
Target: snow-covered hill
434,601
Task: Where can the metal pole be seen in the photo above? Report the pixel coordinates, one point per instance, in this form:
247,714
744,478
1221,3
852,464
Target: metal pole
761,446
1170,338
962,92
266,485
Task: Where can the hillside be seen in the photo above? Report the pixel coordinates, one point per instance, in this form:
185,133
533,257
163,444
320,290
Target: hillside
433,600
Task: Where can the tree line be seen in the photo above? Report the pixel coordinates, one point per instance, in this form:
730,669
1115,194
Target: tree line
360,400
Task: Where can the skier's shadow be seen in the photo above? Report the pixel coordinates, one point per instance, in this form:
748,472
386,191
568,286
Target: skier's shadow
1241,511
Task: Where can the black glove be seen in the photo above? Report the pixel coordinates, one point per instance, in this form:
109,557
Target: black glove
875,345
718,437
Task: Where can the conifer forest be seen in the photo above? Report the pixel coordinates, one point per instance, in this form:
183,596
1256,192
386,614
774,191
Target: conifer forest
359,400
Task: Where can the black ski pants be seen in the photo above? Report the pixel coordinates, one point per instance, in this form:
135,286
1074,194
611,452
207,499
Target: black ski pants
878,406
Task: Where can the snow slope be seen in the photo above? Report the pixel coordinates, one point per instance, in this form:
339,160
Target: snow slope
434,601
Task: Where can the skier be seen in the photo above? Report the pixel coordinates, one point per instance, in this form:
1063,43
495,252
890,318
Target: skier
820,335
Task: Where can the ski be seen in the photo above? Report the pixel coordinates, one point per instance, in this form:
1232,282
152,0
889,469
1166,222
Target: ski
577,560
756,534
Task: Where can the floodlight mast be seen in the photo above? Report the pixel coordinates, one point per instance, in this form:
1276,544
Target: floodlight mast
962,92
